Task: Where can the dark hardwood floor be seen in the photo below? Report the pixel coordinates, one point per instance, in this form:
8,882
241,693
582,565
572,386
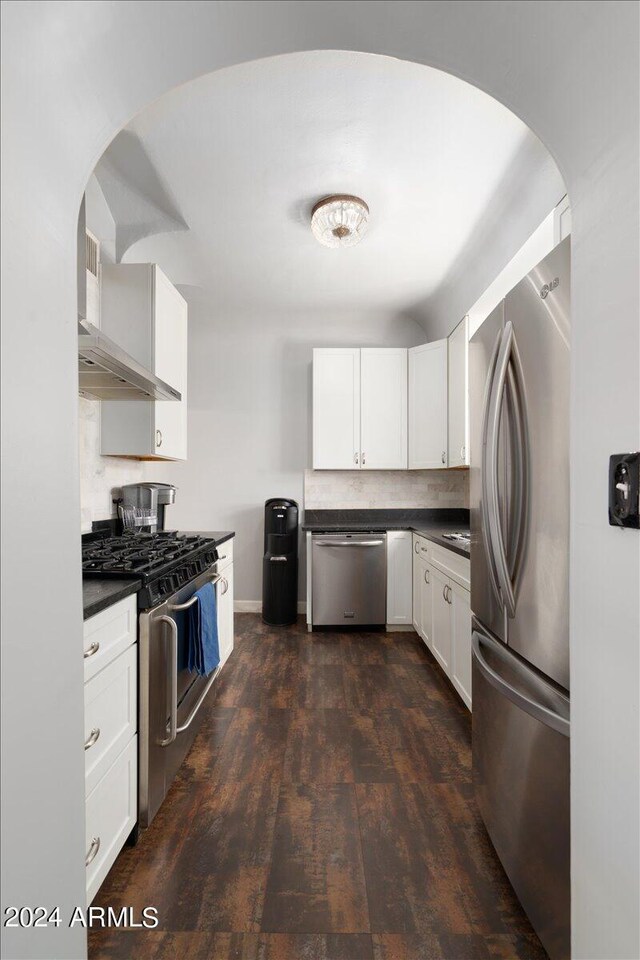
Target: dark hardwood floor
325,812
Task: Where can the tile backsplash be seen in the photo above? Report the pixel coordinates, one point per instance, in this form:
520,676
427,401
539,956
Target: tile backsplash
363,489
100,477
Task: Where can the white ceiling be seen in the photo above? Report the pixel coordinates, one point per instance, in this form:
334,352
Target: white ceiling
216,180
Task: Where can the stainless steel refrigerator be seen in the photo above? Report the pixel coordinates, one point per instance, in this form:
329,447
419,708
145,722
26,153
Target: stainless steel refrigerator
519,496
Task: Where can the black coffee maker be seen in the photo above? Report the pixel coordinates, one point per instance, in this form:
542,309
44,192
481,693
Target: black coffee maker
280,562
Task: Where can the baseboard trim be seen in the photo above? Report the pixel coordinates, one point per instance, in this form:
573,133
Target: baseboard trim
400,628
255,606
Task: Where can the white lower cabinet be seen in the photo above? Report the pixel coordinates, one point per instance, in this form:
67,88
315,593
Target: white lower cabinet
111,814
399,593
441,640
110,708
426,603
224,600
460,621
110,736
441,610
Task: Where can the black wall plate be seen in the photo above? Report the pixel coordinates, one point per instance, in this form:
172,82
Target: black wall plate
624,490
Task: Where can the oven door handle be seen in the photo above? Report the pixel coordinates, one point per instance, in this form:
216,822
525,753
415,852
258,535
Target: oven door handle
174,729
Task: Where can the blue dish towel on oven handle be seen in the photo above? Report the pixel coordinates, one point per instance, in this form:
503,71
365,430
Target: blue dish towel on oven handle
204,648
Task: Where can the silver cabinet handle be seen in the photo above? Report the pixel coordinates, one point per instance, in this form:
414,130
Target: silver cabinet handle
277,559
426,576
444,456
355,459
363,459
223,557
92,738
462,451
347,543
448,594
158,438
92,649
225,584
92,851
416,547
444,593
425,549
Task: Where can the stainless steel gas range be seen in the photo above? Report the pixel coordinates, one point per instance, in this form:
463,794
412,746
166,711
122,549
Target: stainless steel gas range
172,567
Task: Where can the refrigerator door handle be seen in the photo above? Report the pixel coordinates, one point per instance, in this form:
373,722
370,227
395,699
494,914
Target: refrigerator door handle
531,706
486,537
496,535
519,523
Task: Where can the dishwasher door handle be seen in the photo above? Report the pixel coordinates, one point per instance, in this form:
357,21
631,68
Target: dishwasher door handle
348,543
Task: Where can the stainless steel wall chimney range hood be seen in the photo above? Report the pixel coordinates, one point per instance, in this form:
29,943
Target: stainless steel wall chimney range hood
107,372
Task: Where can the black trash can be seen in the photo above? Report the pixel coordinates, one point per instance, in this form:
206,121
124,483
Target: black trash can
280,562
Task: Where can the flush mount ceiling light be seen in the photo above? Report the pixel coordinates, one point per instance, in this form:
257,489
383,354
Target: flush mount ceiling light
340,220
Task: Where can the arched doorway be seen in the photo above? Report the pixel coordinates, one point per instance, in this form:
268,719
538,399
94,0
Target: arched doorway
78,73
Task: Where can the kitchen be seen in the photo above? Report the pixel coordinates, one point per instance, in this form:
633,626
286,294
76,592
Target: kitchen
365,400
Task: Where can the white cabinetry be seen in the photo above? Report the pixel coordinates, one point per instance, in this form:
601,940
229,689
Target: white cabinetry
336,409
399,594
111,741
458,391
441,610
383,409
224,600
359,409
460,622
144,313
428,406
441,641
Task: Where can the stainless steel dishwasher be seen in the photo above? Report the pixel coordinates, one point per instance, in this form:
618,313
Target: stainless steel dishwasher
348,578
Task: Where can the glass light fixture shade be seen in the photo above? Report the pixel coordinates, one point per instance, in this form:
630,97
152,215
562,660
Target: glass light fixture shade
340,220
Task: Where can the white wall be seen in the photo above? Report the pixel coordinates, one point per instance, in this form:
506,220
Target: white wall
101,478
250,419
73,75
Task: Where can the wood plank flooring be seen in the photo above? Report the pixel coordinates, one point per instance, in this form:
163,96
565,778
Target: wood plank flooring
325,812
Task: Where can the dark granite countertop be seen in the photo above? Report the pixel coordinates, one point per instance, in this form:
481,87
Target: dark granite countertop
431,524
99,594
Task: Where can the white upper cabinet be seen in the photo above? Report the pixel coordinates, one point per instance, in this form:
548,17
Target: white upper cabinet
336,409
359,409
383,409
428,406
458,396
144,313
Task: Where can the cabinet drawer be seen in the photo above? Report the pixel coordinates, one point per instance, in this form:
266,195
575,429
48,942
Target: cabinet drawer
110,715
225,552
111,813
107,634
421,547
452,564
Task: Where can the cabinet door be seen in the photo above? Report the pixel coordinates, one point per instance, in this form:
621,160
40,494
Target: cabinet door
170,364
336,409
417,594
428,406
426,604
458,396
383,411
224,597
399,554
441,622
461,641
